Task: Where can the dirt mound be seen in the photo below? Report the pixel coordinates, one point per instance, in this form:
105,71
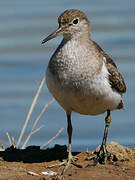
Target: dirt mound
22,164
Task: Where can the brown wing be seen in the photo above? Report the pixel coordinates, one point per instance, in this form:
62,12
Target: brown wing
116,80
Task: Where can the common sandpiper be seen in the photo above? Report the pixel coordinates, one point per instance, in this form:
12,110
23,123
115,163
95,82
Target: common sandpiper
82,77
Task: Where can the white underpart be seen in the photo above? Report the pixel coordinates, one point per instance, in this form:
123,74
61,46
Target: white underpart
94,98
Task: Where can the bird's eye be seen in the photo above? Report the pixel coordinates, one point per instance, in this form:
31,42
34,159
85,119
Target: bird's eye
75,21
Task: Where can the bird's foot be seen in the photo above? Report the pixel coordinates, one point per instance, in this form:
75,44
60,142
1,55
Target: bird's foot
99,157
66,163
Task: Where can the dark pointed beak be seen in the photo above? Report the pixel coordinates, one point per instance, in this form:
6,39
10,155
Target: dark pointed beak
58,32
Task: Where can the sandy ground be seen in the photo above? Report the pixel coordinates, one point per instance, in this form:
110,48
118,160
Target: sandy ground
17,164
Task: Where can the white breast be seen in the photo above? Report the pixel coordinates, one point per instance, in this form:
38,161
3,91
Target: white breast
91,97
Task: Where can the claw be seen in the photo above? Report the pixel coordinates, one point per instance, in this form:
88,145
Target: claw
91,157
99,158
58,164
66,163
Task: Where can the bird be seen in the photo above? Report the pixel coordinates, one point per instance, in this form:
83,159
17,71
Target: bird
82,77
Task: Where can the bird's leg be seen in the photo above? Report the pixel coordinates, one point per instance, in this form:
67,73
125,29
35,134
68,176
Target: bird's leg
70,159
101,155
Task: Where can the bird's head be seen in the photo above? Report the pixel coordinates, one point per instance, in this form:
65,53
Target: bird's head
72,23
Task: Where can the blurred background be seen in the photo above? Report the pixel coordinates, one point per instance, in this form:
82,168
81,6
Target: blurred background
23,61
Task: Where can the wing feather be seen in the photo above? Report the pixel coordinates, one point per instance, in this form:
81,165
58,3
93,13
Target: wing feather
115,78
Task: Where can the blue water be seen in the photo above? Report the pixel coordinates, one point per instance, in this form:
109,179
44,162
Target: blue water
23,61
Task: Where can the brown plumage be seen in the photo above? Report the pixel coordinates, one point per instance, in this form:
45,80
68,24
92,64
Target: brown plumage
116,80
77,76
68,15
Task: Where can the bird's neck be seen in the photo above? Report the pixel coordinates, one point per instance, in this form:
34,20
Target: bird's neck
77,36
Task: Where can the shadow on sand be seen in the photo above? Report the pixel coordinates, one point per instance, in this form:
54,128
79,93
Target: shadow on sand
33,154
